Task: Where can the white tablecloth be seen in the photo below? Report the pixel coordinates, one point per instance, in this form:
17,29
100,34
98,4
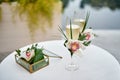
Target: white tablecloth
95,64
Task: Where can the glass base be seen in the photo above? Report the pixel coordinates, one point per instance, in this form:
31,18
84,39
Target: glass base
72,67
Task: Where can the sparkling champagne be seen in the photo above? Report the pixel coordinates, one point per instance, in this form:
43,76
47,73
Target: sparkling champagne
75,31
80,23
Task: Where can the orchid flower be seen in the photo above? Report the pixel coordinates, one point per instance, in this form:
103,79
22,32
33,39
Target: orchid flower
74,46
89,34
27,55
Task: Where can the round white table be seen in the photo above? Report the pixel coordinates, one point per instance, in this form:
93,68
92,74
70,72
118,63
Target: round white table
95,64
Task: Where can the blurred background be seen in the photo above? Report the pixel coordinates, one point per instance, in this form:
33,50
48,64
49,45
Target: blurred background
104,14
19,26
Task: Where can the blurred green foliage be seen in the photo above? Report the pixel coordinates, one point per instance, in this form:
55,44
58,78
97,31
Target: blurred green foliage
65,3
0,13
112,4
37,13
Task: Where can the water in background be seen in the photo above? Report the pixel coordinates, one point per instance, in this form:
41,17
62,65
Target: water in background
104,14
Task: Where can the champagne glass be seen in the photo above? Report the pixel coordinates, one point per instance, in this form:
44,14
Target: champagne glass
72,66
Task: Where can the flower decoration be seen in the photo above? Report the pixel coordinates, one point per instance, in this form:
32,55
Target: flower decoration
27,55
31,55
35,54
74,46
84,39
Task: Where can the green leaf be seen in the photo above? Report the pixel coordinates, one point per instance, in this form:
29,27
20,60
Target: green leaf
38,55
65,42
34,46
86,21
62,33
71,30
18,52
87,43
31,60
28,49
71,52
82,37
